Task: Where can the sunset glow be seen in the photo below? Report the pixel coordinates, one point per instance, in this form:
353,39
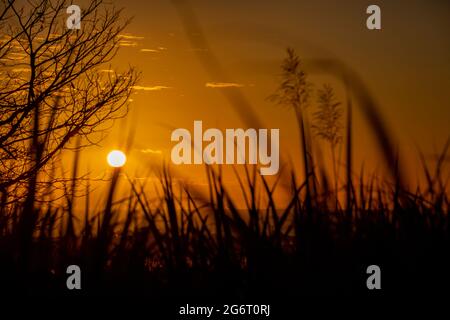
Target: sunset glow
197,153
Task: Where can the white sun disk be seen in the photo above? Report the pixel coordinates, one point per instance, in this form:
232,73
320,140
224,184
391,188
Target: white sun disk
116,158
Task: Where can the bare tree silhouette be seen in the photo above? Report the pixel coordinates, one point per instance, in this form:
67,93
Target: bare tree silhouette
52,87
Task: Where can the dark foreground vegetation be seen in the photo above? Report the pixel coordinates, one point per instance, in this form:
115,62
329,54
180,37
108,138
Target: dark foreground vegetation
185,245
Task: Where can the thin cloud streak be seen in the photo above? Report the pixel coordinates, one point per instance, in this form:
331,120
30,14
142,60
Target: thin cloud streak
129,37
151,88
223,85
149,50
151,151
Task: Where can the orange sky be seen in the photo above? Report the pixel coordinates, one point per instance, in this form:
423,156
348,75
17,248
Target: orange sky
406,67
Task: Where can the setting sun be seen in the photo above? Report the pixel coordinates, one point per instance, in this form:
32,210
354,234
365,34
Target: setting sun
116,158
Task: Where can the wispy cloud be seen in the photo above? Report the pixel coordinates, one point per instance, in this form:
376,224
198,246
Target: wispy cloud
223,85
154,50
149,50
151,151
129,37
126,43
128,40
152,88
